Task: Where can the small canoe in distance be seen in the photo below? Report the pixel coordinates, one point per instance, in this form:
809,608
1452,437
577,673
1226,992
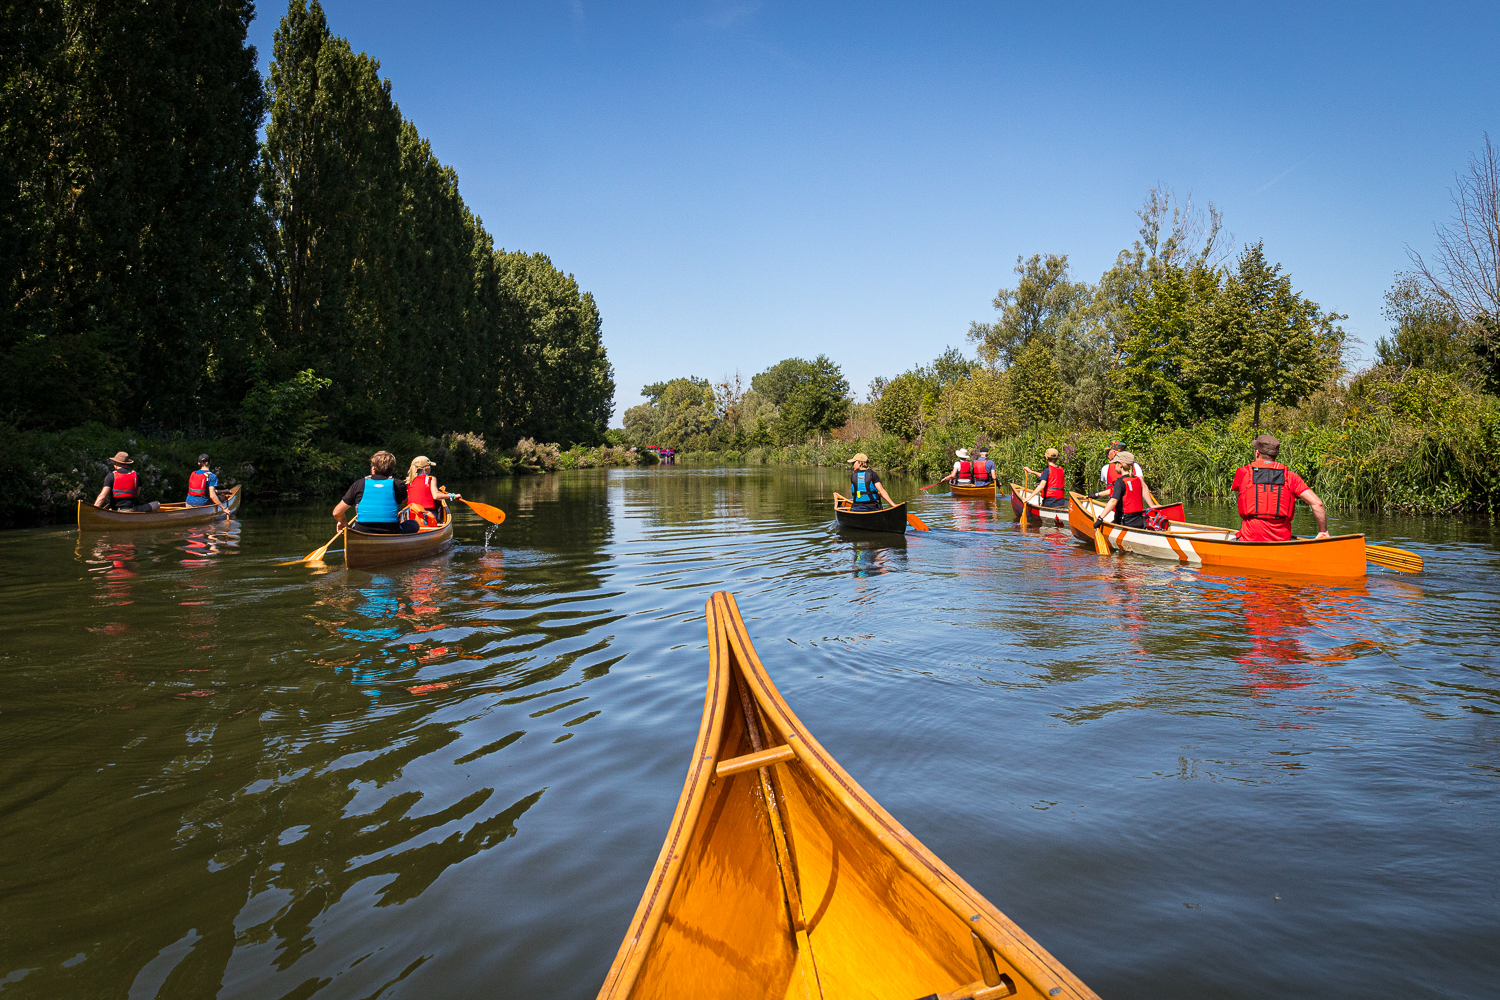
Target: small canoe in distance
1037,514
973,492
1341,557
363,549
169,515
781,877
886,519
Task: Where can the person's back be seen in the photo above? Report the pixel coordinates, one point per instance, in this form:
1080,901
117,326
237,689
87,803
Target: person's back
862,489
1267,494
202,485
377,500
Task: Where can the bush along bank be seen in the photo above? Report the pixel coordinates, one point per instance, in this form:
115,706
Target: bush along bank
49,472
1439,467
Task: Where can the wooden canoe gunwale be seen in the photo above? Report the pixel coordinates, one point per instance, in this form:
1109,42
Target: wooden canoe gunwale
91,518
891,519
734,665
363,550
1057,515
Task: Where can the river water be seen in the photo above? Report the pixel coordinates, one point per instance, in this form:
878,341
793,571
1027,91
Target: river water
450,778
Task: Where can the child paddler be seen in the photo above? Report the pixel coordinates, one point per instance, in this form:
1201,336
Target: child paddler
1127,495
1052,487
866,491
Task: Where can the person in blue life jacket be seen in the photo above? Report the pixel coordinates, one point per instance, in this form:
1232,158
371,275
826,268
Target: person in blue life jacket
864,482
378,499
1053,487
203,486
122,488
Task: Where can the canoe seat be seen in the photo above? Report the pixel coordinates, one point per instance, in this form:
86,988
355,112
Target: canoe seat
978,991
753,761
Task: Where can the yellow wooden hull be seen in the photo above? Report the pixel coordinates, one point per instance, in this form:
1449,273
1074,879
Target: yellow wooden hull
781,877
362,551
974,492
170,515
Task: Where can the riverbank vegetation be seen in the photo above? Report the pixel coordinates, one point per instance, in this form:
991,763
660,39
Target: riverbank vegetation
1184,349
175,277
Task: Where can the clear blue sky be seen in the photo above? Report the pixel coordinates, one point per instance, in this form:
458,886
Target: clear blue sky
742,182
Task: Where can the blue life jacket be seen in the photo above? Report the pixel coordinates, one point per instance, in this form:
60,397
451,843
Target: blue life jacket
377,505
862,485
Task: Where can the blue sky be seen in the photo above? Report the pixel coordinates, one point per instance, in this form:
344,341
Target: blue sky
740,182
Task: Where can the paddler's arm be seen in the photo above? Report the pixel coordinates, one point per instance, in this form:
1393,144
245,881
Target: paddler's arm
104,495
880,487
1320,513
339,513
1099,521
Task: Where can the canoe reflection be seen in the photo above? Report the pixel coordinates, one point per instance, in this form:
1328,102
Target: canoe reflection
875,552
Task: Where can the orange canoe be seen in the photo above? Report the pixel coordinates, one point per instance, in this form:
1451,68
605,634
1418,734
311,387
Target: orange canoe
781,877
974,492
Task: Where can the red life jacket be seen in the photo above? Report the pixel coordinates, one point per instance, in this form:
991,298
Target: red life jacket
1134,500
198,484
1110,474
965,473
981,472
1266,494
1055,479
122,489
419,491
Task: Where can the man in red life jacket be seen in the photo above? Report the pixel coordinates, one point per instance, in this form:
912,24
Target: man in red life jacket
1052,487
984,469
963,470
1268,493
1127,495
122,488
1111,472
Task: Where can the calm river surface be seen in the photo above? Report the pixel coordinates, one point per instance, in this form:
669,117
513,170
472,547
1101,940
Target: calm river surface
224,777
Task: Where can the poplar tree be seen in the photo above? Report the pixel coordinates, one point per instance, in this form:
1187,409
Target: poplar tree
1032,386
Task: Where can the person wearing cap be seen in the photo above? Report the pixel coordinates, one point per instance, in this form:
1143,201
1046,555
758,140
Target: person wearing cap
378,500
203,486
122,487
865,487
1127,495
1053,485
423,492
1110,473
963,470
984,469
1268,493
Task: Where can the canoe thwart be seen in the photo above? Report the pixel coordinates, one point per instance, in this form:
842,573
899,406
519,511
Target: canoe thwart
753,761
978,991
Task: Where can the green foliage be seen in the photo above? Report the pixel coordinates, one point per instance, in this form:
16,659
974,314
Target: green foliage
1426,332
817,403
1035,308
676,412
1150,383
898,411
1032,387
777,382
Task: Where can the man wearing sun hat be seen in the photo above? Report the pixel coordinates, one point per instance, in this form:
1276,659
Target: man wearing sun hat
963,469
866,490
122,487
1268,493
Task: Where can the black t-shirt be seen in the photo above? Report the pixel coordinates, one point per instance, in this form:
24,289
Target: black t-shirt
356,492
1136,520
117,502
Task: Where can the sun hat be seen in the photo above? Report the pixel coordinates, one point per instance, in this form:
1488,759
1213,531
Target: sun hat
962,453
1051,453
423,462
859,457
121,458
1125,458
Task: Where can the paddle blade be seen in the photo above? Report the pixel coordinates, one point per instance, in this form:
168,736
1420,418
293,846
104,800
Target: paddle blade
1101,543
1024,509
916,522
316,555
1393,558
494,515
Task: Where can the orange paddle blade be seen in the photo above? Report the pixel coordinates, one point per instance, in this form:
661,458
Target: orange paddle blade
1101,543
916,522
494,515
316,554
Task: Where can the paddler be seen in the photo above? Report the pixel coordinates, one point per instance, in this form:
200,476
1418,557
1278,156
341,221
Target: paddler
984,469
1268,493
963,470
379,499
203,486
1127,495
866,491
1052,487
423,492
1111,472
122,487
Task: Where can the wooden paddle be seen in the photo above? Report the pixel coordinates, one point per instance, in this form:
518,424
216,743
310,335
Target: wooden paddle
916,522
1393,558
930,485
494,515
1025,484
1101,542
318,553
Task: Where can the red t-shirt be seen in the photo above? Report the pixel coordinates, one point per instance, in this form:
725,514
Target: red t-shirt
1267,529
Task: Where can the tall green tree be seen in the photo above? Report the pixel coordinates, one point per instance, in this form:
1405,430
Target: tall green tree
819,403
1426,331
128,209
1042,299
1259,341
1032,385
1150,383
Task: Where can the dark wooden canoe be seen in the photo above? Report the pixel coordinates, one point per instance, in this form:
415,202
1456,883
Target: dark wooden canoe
169,515
363,550
889,519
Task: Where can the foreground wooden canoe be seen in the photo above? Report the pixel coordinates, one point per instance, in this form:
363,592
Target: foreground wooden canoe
781,877
170,515
362,550
1038,514
1205,545
887,519
974,492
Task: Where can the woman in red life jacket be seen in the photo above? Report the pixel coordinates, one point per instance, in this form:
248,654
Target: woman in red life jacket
1268,493
122,487
1127,495
963,470
203,486
1052,488
423,492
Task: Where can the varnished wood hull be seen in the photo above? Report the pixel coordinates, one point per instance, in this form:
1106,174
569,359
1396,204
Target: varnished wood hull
781,877
361,551
974,492
170,515
1341,557
889,519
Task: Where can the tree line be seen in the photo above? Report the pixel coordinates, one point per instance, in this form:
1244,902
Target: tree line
166,266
